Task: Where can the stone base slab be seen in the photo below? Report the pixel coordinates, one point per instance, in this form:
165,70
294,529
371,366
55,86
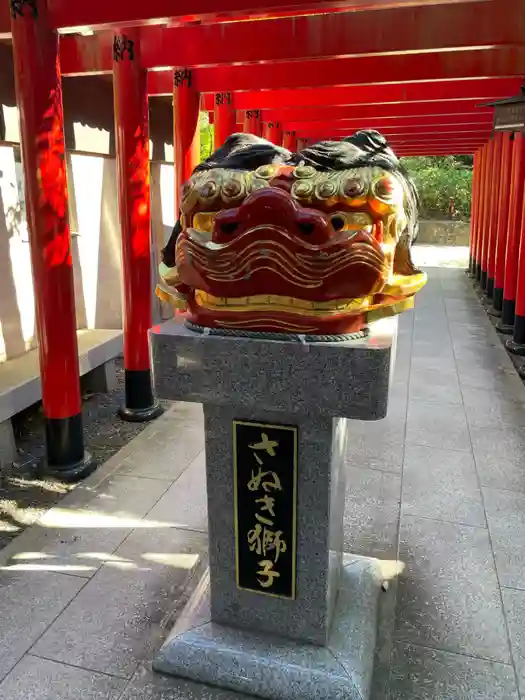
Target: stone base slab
342,380
276,668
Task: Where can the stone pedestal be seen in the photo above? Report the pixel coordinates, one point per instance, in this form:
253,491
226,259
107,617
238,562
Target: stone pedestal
319,527
281,614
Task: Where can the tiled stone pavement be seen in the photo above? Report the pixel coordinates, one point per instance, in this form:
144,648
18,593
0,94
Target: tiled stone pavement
438,488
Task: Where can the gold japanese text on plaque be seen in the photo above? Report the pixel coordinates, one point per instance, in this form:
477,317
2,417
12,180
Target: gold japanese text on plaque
265,480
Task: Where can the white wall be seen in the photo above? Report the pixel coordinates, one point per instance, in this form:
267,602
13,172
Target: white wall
95,244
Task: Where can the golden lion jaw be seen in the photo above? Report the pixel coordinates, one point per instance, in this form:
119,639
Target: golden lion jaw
274,302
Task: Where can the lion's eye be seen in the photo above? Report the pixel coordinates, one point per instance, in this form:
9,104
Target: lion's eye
351,221
384,188
353,187
203,222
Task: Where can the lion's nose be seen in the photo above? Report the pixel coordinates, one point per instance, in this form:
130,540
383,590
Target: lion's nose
274,208
312,226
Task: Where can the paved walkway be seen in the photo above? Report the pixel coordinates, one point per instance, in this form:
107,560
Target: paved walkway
437,489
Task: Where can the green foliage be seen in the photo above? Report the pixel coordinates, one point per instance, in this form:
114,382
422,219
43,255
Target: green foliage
440,178
206,136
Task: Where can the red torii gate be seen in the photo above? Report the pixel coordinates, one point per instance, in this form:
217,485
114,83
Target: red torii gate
413,30
67,16
397,112
391,61
479,89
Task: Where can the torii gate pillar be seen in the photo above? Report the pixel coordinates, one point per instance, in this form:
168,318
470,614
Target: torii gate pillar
133,170
39,98
186,134
225,119
252,122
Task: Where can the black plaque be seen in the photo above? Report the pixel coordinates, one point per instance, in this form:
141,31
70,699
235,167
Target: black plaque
122,48
223,98
18,7
265,479
182,77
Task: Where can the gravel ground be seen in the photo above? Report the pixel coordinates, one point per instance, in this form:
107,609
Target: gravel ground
25,492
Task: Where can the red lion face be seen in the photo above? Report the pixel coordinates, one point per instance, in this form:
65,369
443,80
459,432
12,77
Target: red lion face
292,249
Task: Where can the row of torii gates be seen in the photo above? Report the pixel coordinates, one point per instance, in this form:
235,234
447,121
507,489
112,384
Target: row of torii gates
418,71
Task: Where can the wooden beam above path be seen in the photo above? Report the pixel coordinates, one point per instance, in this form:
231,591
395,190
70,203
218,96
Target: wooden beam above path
452,110
427,149
73,15
413,29
483,118
359,96
369,70
450,150
400,31
406,142
425,133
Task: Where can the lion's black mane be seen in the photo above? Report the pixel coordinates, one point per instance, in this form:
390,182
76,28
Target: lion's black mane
245,152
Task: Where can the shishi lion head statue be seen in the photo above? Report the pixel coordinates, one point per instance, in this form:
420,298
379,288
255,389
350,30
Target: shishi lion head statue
316,242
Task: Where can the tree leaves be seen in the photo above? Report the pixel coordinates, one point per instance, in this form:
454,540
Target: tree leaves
440,178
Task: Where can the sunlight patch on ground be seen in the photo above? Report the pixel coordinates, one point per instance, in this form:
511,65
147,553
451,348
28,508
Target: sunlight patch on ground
30,555
179,561
57,568
391,569
24,516
54,486
64,518
103,556
40,561
440,256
